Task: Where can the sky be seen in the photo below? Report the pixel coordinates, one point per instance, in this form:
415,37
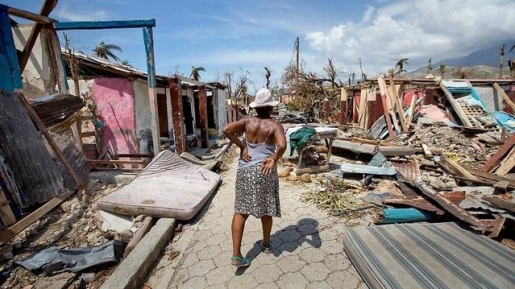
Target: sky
244,36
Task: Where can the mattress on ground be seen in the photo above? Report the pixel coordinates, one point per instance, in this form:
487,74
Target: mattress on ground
169,187
429,256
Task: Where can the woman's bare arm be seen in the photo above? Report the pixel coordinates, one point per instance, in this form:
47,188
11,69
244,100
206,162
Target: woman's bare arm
230,131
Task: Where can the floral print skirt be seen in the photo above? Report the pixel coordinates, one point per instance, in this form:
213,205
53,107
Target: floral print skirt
257,194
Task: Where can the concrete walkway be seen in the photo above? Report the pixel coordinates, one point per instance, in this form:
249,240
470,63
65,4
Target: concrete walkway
307,247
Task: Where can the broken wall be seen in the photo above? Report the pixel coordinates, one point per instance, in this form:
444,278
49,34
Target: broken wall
37,80
114,99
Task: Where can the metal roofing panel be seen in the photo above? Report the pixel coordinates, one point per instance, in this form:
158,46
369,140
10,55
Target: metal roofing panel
428,256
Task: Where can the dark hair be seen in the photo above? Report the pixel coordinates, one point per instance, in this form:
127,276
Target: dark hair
263,111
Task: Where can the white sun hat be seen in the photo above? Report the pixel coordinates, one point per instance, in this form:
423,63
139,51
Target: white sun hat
263,98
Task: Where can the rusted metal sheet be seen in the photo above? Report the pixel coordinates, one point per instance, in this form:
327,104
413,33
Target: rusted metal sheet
203,116
53,110
77,160
177,115
34,171
423,204
448,206
408,169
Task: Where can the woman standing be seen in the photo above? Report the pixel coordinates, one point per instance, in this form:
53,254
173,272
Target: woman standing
257,182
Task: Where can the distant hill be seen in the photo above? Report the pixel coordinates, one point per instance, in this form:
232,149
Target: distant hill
482,63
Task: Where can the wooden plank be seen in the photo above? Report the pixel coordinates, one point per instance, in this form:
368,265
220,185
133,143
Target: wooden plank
6,214
133,156
507,205
15,229
411,111
362,108
388,100
456,168
143,229
386,112
47,7
30,16
51,141
343,106
398,104
448,206
499,155
202,97
506,165
505,97
456,107
178,121
492,178
87,134
427,152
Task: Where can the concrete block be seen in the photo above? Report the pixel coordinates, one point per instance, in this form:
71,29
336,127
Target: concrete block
134,269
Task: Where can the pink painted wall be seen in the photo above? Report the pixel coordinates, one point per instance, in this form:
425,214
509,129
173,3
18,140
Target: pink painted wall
114,98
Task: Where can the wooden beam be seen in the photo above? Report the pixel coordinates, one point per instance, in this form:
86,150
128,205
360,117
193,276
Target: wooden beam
15,229
456,169
51,141
148,40
30,16
411,112
448,206
389,103
455,106
343,106
506,165
143,229
398,104
507,205
177,115
47,7
93,25
117,162
499,155
505,97
386,112
202,98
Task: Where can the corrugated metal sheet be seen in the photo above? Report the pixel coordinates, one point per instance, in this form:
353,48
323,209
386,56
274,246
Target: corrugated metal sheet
34,172
77,160
429,256
56,108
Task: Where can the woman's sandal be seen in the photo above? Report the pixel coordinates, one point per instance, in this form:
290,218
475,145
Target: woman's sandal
243,262
268,250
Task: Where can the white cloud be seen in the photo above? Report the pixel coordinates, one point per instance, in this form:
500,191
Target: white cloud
368,13
414,29
66,14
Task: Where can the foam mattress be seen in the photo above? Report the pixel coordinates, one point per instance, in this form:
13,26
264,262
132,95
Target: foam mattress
169,187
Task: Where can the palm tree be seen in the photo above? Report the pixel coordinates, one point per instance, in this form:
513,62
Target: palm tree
106,51
195,74
429,67
501,59
441,70
126,62
268,74
400,64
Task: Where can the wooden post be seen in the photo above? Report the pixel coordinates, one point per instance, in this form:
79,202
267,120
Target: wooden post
343,106
398,104
6,214
47,7
177,115
169,115
386,111
327,110
505,97
51,142
151,72
202,97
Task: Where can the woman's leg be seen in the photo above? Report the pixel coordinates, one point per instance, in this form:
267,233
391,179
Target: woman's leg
238,224
266,222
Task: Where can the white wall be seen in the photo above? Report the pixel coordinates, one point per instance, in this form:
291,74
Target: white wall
37,78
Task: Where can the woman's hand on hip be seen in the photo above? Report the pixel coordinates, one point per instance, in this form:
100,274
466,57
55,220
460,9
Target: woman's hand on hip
244,155
268,166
